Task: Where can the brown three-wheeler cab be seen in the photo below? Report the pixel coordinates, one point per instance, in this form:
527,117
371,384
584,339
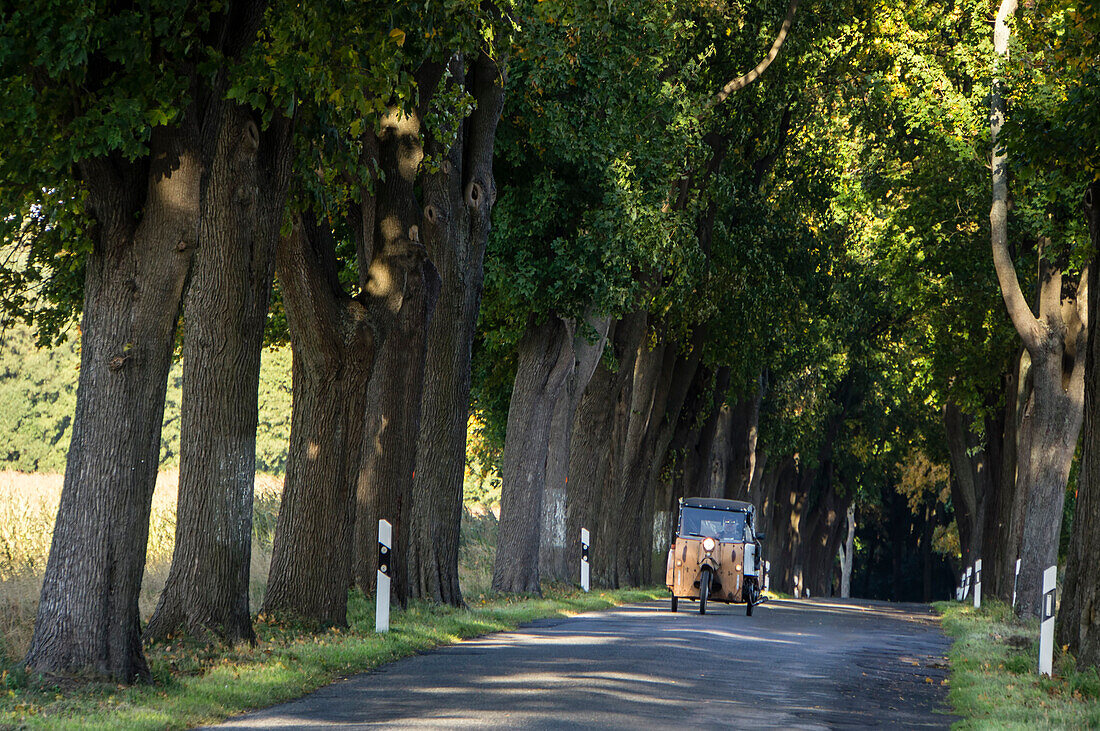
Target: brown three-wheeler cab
715,554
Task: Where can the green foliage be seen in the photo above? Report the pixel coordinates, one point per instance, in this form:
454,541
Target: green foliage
38,399
81,81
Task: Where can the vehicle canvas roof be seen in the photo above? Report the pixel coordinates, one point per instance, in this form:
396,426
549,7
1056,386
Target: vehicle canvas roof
713,503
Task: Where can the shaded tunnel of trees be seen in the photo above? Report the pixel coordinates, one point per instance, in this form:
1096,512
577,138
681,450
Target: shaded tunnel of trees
834,258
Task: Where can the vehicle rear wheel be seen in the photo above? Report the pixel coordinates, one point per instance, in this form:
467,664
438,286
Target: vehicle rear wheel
704,591
675,602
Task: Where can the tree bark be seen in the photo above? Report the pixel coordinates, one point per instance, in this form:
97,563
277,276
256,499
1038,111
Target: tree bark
389,436
1078,624
394,393
335,340
593,451
206,595
1013,507
848,554
458,201
971,481
334,344
586,356
1000,429
1052,339
647,400
703,445
147,219
545,363
744,429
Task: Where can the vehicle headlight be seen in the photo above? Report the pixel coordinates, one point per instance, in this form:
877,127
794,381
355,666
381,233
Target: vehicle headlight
708,544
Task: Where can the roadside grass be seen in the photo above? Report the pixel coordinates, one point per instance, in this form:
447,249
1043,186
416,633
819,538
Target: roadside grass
195,685
994,673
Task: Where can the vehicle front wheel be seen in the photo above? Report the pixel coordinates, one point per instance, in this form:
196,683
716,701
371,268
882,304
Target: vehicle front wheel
675,602
704,591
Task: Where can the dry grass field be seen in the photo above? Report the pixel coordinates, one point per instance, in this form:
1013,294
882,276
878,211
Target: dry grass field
28,506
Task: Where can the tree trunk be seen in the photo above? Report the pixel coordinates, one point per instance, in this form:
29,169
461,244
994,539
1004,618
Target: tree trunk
390,433
785,535
458,198
653,380
1079,615
206,595
971,480
334,345
744,428
1000,429
335,340
646,404
694,423
586,355
705,443
847,554
1057,417
593,452
394,393
1056,341
928,528
822,534
1013,507
545,363
147,215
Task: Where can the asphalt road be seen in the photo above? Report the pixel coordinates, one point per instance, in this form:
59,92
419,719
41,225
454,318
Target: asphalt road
794,664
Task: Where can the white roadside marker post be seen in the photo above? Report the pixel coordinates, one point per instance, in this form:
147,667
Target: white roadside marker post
1046,623
1015,583
767,575
978,584
382,590
586,541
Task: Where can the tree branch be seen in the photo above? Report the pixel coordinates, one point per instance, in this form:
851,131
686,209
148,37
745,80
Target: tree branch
742,81
1022,318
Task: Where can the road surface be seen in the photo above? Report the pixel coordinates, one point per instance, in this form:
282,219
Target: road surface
807,664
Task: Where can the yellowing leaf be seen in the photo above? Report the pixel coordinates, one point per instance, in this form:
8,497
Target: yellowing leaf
398,35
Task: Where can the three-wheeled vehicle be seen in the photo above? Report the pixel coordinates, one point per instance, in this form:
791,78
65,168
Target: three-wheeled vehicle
715,554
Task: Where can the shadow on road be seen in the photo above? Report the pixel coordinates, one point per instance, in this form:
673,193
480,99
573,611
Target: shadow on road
795,664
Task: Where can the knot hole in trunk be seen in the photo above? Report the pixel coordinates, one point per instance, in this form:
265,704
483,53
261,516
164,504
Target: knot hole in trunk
251,137
474,194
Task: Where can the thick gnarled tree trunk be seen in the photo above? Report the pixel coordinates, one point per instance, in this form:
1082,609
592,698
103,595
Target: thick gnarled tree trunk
333,344
147,215
394,393
553,565
389,437
593,453
458,200
1078,626
206,595
545,363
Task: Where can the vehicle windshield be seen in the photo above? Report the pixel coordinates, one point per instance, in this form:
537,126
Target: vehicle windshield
725,525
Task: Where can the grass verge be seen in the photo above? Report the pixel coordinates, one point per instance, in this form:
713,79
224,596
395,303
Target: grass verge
195,685
994,674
